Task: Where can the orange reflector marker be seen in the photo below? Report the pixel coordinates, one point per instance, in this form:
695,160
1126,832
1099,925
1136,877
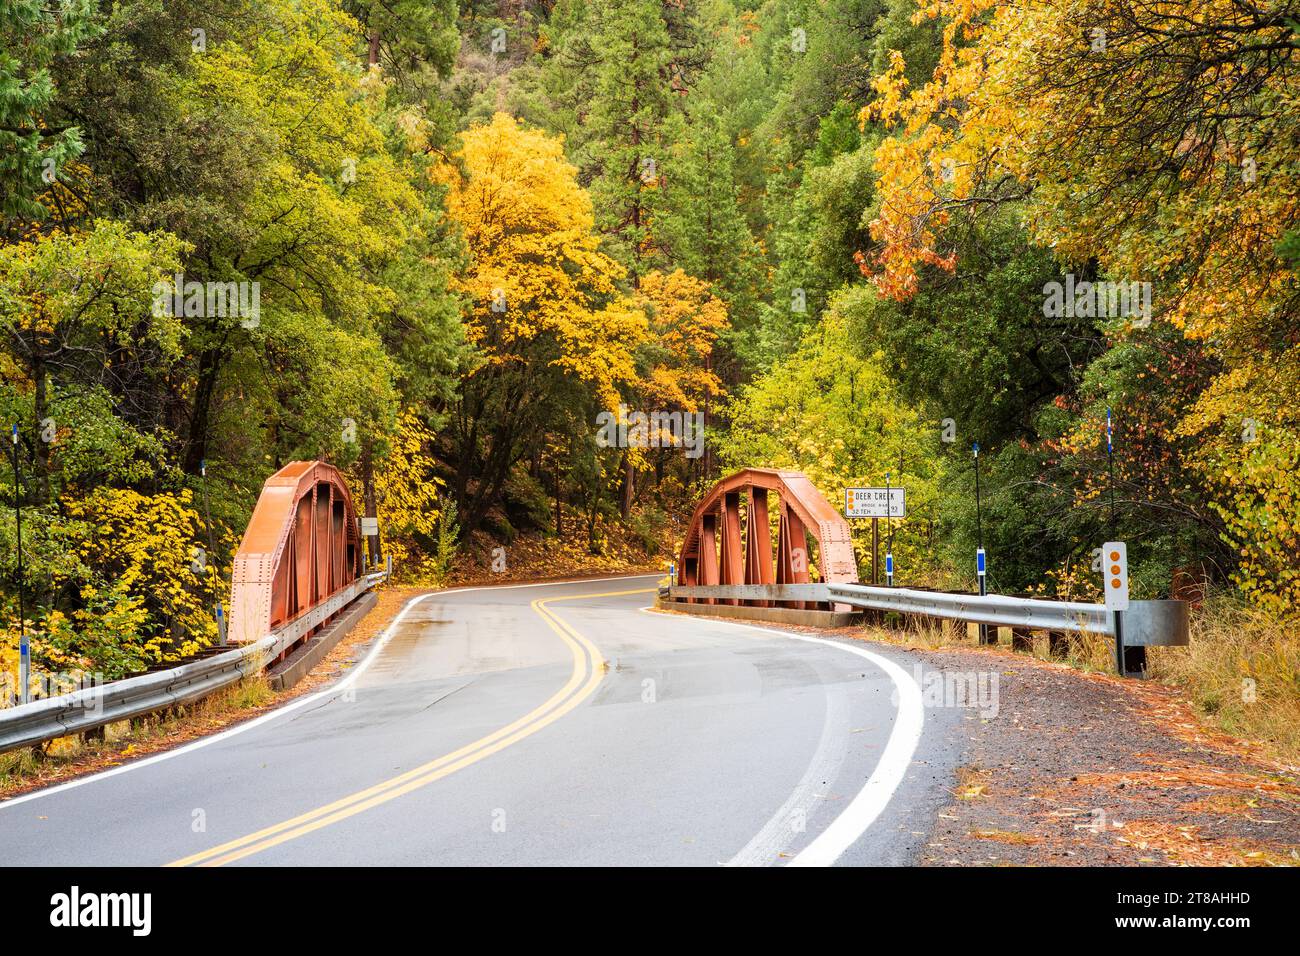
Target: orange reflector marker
1117,593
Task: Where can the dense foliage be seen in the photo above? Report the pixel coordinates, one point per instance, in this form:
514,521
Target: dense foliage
455,236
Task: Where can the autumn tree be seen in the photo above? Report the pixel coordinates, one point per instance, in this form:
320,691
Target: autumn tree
232,142
81,309
549,324
1148,140
686,321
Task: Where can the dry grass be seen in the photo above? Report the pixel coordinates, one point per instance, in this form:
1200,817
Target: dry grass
1088,652
1184,845
1091,652
972,783
1241,672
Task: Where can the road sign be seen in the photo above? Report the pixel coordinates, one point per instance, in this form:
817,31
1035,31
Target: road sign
875,503
369,526
1114,566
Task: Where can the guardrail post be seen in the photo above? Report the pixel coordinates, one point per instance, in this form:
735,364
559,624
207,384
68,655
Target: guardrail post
1135,661
1022,639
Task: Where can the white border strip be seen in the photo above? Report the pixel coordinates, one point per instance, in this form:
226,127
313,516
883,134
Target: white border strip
890,770
293,705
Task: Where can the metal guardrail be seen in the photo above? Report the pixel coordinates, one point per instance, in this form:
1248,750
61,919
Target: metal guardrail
1146,623
93,707
995,609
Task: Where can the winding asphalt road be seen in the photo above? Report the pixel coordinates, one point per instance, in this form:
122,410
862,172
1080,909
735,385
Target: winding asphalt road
556,724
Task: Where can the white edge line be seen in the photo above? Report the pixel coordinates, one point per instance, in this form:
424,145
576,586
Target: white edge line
288,708
892,766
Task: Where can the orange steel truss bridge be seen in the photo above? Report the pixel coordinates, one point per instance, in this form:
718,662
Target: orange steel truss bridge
726,544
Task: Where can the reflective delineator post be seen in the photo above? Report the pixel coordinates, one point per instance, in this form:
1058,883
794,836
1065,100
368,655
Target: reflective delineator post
980,565
889,533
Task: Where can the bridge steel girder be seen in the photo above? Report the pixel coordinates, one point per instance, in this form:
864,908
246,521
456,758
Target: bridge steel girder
708,557
758,540
792,551
302,545
732,555
801,510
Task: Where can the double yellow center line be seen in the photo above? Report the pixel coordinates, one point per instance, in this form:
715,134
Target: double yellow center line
588,669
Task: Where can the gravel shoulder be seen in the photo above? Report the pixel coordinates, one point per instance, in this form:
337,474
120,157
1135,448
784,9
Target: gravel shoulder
1088,769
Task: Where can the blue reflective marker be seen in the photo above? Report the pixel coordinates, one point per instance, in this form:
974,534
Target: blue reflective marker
976,448
889,564
979,561
15,433
1109,447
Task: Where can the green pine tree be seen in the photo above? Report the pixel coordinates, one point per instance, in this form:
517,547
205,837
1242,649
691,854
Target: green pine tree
632,121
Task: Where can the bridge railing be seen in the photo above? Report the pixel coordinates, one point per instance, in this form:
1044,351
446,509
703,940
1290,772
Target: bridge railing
93,707
1146,623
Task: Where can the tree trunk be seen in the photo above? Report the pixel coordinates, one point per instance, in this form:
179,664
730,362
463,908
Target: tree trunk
559,514
629,485
196,448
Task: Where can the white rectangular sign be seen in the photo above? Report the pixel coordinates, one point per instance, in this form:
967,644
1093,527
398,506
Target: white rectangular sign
1114,559
875,503
369,526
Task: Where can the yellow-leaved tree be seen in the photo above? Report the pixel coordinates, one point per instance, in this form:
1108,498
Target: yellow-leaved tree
686,319
1156,142
146,596
553,331
407,499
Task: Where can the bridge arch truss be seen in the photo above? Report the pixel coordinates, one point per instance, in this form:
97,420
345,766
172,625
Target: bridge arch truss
302,545
729,540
